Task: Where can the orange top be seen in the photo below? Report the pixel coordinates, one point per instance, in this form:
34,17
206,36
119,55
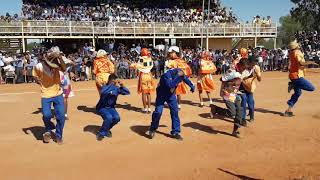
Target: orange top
207,67
102,65
182,64
296,70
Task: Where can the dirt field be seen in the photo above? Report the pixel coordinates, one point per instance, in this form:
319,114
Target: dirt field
273,147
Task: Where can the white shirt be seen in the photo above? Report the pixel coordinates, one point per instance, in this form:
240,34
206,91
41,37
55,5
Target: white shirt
9,68
1,62
7,60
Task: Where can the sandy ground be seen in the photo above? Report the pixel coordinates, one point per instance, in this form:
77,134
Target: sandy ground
273,147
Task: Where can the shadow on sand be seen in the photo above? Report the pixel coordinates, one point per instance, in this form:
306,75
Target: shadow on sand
242,177
204,128
36,131
142,130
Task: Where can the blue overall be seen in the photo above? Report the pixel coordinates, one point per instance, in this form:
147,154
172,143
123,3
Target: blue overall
299,85
58,104
247,98
106,106
166,92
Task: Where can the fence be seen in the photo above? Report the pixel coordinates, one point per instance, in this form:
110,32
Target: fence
74,29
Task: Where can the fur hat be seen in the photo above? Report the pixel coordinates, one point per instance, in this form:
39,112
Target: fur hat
101,53
52,58
174,48
230,75
293,45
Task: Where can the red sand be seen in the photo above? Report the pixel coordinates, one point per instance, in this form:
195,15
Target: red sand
273,147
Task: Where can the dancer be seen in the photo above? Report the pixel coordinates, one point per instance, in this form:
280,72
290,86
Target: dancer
166,92
243,68
102,68
146,84
46,74
205,79
248,87
244,53
232,97
296,76
177,62
66,84
106,105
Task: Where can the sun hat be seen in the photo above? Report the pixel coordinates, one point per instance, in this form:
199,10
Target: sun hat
52,57
174,48
230,75
293,44
101,53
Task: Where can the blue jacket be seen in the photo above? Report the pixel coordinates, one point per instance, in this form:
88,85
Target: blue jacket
169,82
109,96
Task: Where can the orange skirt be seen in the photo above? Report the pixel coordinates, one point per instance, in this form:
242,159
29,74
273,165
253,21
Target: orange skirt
205,83
146,83
101,80
182,88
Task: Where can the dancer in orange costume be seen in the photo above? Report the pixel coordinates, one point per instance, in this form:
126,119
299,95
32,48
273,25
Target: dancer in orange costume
177,62
146,84
102,68
205,79
244,53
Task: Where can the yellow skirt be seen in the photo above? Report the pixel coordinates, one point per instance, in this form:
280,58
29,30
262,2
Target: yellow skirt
205,83
182,88
146,83
101,80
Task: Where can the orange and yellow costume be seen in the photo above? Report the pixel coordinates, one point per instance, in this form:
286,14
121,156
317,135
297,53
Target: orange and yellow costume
102,68
205,79
182,64
244,53
146,82
296,71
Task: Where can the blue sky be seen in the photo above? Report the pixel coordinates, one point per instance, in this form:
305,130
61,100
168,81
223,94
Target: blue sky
11,6
245,9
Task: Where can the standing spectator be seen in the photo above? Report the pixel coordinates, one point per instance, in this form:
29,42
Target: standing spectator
1,66
86,49
78,64
111,46
30,64
260,61
19,68
156,67
195,65
264,55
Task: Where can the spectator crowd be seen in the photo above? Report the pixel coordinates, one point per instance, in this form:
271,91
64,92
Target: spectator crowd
310,44
18,67
120,12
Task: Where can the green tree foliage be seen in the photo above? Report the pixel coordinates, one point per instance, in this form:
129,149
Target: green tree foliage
267,43
289,26
308,13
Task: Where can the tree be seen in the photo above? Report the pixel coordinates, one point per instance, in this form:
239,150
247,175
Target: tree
308,13
267,43
289,26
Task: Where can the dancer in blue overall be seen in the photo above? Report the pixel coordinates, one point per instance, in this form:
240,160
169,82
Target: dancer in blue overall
106,105
166,93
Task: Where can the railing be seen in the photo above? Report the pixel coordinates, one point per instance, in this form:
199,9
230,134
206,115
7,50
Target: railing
55,29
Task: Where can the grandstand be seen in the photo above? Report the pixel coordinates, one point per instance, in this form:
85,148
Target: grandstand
97,20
